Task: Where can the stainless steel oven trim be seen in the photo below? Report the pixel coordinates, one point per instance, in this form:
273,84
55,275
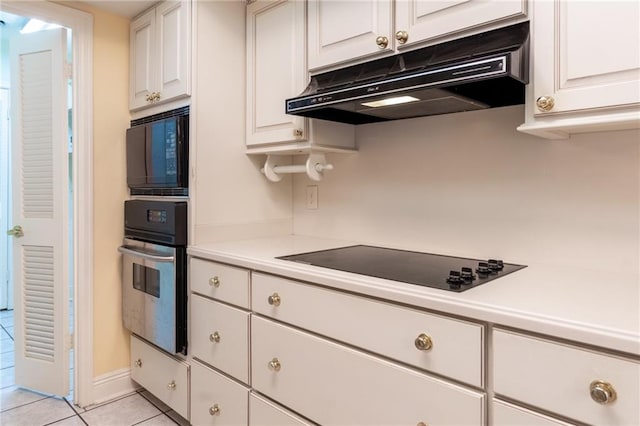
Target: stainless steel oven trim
150,317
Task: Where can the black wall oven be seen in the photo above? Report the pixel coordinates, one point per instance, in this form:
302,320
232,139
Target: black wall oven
154,272
158,154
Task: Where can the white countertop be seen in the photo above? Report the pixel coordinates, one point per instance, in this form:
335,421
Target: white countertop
593,307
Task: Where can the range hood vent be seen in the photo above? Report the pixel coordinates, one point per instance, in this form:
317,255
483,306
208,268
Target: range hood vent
477,72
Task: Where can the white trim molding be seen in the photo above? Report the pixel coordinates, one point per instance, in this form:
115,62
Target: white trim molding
113,385
81,24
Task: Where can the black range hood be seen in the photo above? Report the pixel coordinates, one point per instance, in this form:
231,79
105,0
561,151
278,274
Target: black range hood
482,71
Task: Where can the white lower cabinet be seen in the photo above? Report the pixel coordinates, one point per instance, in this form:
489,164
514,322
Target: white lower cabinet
164,376
384,328
220,336
216,399
577,383
218,281
265,413
332,384
505,414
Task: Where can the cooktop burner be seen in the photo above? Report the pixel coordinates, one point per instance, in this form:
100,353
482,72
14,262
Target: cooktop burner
425,269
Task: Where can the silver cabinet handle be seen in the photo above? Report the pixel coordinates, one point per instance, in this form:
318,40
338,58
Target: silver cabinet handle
274,299
214,337
144,255
602,392
214,282
274,365
423,342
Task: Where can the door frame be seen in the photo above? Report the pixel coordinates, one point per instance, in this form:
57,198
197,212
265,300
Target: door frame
81,24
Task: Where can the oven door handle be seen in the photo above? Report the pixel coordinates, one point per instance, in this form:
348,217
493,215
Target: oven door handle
145,255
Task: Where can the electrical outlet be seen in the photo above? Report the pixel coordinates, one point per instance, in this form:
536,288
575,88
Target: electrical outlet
312,197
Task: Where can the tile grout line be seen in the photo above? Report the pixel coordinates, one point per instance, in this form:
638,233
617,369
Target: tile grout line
75,411
28,403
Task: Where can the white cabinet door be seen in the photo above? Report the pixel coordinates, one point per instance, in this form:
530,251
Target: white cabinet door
586,60
276,70
227,283
567,380
160,55
332,384
586,54
220,336
423,20
165,377
346,30
142,58
215,399
174,51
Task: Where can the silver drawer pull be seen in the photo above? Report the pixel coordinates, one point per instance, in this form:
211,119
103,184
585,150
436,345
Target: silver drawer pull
602,392
274,365
214,282
215,410
172,385
214,337
423,342
138,362
274,299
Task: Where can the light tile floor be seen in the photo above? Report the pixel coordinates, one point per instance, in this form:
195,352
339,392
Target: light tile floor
22,407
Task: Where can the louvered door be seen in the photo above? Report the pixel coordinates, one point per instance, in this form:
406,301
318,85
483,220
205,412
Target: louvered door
40,206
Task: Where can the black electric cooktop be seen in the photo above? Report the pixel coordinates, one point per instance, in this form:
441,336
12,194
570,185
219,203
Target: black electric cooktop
425,269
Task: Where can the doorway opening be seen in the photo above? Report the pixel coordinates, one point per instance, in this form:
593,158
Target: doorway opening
13,28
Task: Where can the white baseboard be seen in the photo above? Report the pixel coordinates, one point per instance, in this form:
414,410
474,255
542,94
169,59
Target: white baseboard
113,385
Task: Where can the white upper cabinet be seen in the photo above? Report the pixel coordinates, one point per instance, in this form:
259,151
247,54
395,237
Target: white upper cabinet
160,54
341,31
421,20
346,31
277,70
585,73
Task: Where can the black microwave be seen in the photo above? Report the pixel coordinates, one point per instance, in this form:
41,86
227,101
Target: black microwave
158,154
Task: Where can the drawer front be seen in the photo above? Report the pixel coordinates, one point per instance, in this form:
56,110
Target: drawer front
266,413
220,336
335,385
505,414
222,282
558,378
165,377
217,400
387,329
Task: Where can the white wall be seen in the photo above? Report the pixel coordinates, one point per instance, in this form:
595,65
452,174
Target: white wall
231,198
469,184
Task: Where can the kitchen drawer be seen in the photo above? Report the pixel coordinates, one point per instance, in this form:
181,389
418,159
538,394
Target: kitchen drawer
558,378
505,414
332,384
266,413
165,377
384,328
215,399
222,282
220,336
